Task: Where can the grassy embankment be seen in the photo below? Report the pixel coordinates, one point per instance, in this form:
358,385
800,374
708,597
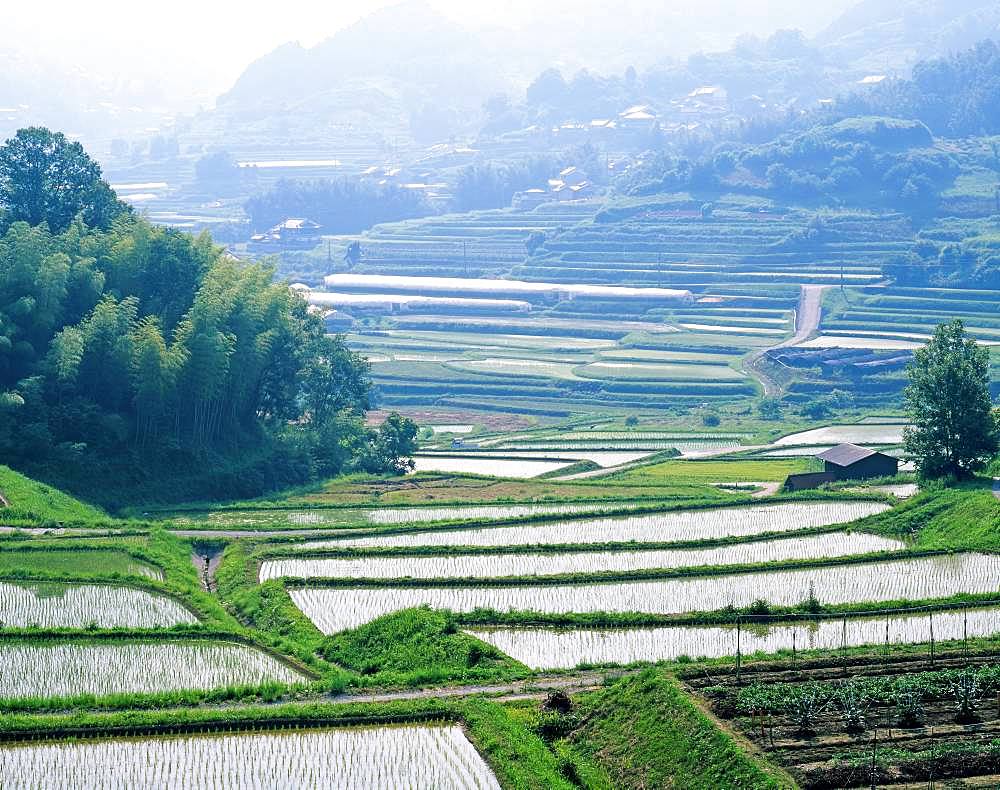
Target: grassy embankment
29,501
644,731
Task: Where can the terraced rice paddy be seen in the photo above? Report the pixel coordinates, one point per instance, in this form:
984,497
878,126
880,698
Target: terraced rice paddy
476,512
639,436
63,670
99,561
855,434
837,544
516,367
568,454
52,605
794,452
734,330
900,491
456,429
347,759
549,648
874,343
333,609
343,517
679,525
277,517
686,446
653,371
498,467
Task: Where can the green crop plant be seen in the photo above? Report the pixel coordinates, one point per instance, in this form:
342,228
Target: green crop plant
855,703
965,688
910,706
805,708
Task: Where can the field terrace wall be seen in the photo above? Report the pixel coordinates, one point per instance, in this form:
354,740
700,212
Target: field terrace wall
671,243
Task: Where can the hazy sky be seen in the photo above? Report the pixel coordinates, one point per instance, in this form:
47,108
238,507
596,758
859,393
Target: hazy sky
199,47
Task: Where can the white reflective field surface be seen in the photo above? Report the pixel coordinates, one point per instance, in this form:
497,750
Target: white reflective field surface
335,609
677,525
345,759
549,648
484,566
63,670
54,605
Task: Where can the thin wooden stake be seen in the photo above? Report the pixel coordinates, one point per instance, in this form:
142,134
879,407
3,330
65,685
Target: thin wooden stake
738,647
965,631
932,639
843,644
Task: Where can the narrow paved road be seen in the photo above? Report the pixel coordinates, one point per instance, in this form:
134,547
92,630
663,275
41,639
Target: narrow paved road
806,322
996,487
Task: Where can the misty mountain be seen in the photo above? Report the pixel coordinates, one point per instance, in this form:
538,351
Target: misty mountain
39,91
888,36
400,60
411,65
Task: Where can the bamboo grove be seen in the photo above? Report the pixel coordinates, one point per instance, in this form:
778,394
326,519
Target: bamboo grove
132,341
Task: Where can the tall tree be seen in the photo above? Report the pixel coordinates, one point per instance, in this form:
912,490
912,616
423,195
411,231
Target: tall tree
954,431
46,178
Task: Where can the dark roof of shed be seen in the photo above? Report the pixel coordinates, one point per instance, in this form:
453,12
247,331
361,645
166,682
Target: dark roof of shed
847,454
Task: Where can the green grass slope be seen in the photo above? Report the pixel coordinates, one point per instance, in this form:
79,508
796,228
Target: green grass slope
28,500
962,517
644,731
418,646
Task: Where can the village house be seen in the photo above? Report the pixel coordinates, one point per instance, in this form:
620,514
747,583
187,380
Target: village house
293,233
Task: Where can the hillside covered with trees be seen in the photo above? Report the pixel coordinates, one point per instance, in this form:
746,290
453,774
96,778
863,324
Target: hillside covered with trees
141,358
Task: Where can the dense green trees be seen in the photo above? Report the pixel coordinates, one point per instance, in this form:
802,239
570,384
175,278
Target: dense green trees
46,178
131,344
877,162
483,186
955,96
954,430
338,205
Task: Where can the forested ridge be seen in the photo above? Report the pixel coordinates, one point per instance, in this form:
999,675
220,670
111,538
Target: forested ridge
143,358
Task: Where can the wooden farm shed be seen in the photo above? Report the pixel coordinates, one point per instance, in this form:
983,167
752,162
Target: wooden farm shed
846,462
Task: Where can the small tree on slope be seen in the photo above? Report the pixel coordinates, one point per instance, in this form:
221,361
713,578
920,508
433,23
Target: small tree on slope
954,431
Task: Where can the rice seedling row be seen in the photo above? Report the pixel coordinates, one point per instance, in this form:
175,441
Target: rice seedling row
678,525
835,544
642,435
520,468
565,648
336,609
63,560
475,512
284,520
835,434
55,605
685,445
601,458
348,759
62,670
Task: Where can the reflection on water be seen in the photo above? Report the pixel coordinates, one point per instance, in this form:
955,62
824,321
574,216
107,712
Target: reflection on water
546,648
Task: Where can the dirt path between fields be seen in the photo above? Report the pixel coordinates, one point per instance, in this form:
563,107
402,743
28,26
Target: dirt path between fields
807,318
529,688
